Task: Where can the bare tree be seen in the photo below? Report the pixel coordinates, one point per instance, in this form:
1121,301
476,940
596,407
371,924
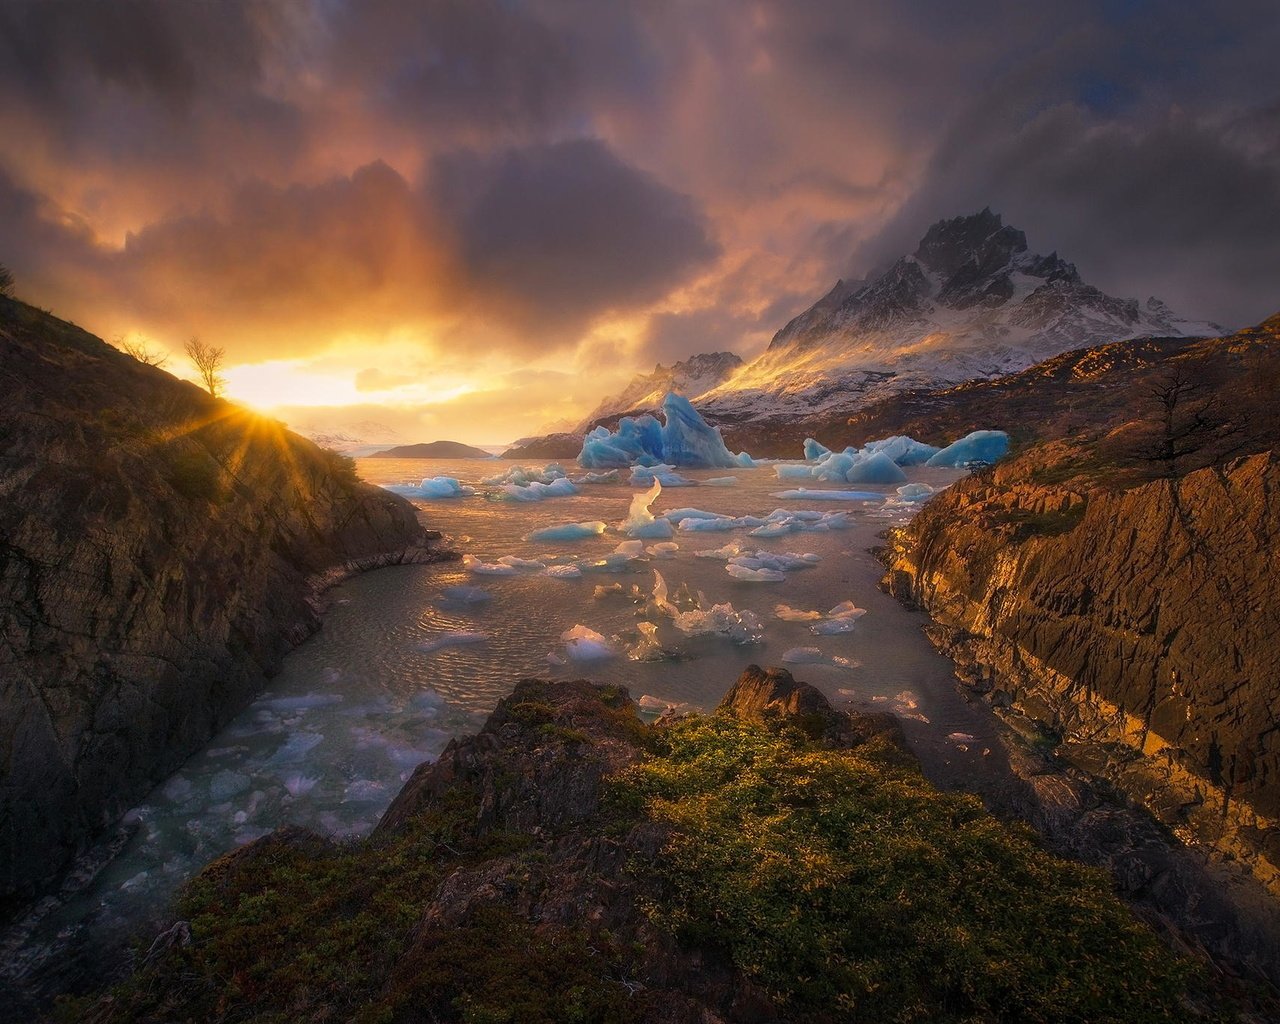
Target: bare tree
6,280
207,360
142,352
1188,420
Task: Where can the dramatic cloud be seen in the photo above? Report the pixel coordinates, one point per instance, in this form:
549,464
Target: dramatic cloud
364,191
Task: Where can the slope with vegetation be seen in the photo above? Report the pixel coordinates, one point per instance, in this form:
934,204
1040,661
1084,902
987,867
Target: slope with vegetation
774,861
160,550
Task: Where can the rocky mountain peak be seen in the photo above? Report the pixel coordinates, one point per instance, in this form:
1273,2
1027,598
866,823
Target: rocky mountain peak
980,239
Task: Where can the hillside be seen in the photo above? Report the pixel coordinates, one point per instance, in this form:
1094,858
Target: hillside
160,550
690,377
776,860
433,450
1114,582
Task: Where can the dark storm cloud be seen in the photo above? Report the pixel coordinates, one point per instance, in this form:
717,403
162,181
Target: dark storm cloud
565,231
508,173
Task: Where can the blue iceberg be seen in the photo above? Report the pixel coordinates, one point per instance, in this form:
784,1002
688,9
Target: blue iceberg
684,438
876,468
981,446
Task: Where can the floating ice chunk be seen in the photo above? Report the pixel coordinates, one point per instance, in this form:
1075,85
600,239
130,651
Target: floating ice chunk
466,595
711,525
846,610
292,750
647,648
472,564
607,590
832,627
788,614
720,481
791,471
561,487
742,627
630,548
566,531
914,492
584,644
730,550
813,451
608,477
522,564
456,638
776,529
640,521
814,656
522,476
835,467
984,446
666,549
749,575
226,784
297,784
648,702
643,476
564,572
905,451
804,493
433,487
876,468
960,737
679,515
839,619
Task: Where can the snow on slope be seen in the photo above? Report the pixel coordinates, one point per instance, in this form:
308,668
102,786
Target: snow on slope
970,302
693,376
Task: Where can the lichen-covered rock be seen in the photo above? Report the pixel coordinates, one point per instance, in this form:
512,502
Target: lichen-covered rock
160,550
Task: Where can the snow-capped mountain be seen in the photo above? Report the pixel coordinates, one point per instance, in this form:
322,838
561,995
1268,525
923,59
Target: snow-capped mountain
694,376
356,439
970,302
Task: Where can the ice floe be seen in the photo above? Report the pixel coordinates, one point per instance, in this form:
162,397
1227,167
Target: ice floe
566,531
433,487
684,438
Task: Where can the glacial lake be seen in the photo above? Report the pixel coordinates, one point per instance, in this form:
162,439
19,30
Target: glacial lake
374,693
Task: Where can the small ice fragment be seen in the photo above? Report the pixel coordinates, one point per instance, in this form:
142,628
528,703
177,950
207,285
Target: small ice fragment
585,644
789,614
960,737
472,564
651,703
563,572
457,638
566,531
664,549
298,784
466,595
803,656
720,481
749,575
607,590
647,648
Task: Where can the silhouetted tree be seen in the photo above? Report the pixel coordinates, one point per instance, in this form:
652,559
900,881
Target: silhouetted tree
1188,420
208,363
142,352
6,280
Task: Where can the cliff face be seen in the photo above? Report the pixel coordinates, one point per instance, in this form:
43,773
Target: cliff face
1140,625
160,551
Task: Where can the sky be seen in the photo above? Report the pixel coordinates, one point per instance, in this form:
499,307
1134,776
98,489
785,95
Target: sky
474,219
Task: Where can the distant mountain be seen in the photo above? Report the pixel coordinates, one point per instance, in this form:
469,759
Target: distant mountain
970,303
692,377
355,439
433,450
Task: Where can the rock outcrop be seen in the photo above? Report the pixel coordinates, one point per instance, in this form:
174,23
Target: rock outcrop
160,550
1113,589
559,865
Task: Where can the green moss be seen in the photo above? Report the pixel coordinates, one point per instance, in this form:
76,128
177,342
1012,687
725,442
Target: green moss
849,888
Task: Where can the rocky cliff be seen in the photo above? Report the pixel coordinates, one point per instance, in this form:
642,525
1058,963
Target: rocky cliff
1115,586
776,860
160,550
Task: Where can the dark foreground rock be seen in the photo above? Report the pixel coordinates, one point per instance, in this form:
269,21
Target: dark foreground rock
160,551
777,860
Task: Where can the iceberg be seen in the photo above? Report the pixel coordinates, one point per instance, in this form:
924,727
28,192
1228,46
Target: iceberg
432,487
567,531
641,522
905,451
876,468
683,438
981,446
813,451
